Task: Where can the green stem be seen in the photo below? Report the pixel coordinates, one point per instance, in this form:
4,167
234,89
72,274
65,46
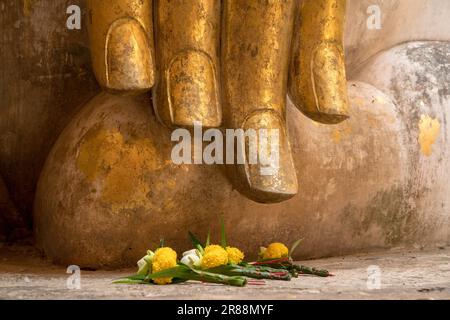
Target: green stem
186,273
204,276
312,271
257,274
252,272
287,264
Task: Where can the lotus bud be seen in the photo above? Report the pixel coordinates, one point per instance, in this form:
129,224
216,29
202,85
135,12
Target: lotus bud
145,264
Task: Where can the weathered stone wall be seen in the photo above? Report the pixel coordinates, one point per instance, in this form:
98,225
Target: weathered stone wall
7,210
378,180
401,21
45,76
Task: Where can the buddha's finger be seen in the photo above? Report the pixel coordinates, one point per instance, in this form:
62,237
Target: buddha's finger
317,84
256,44
187,89
121,41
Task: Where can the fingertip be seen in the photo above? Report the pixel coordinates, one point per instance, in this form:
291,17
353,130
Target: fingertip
129,58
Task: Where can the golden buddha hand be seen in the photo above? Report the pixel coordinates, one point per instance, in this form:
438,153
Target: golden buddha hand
121,40
256,39
187,50
239,58
317,83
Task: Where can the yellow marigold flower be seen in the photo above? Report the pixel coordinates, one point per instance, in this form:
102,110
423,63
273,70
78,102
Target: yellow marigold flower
213,247
214,256
235,255
164,258
275,251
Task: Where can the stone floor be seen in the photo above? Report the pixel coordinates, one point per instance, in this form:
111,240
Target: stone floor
396,274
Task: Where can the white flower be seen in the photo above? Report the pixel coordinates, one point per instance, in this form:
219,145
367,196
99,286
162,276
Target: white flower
145,264
193,251
191,258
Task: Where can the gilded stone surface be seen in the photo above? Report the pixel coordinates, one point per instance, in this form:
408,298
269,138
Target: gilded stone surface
360,191
240,71
317,77
378,180
121,42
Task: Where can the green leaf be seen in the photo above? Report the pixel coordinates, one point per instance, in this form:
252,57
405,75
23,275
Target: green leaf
294,246
179,271
178,280
223,236
208,239
134,279
129,281
137,277
197,244
161,243
183,272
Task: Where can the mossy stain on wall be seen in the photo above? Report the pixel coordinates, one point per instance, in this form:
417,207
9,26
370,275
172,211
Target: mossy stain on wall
119,167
